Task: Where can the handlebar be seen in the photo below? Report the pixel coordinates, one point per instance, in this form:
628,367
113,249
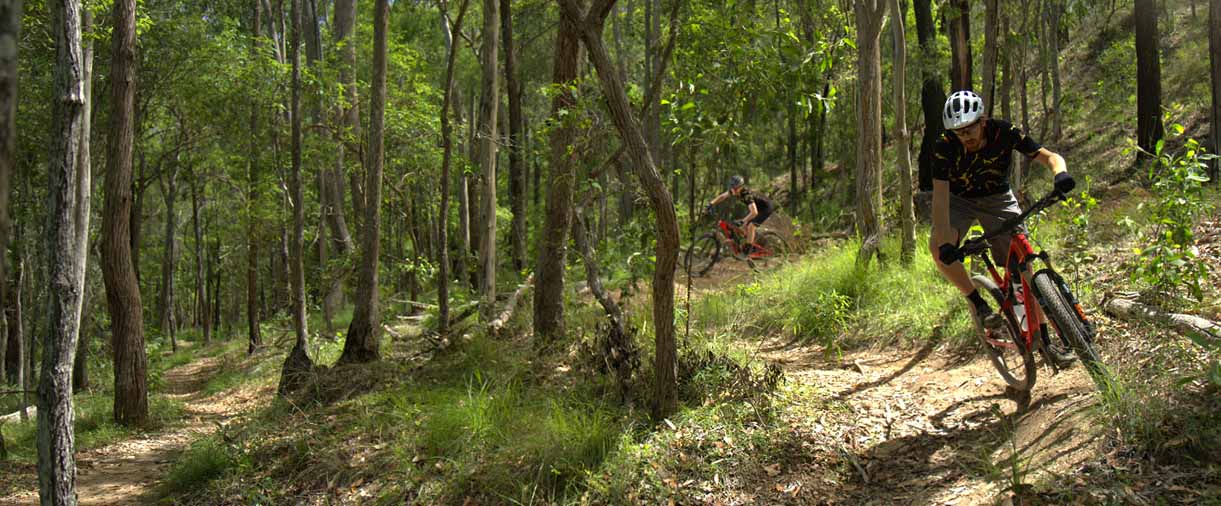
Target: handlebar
980,244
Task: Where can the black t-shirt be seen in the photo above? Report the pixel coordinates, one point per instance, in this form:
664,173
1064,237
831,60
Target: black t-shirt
984,172
763,205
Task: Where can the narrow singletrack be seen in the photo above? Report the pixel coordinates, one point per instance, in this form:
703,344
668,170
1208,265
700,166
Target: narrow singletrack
128,471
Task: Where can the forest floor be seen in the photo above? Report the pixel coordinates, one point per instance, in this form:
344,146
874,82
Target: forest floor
129,471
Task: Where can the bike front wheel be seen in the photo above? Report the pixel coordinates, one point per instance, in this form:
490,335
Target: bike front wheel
1006,348
1067,318
702,255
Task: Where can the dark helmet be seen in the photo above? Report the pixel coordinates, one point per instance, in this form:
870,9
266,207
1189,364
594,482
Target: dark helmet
734,182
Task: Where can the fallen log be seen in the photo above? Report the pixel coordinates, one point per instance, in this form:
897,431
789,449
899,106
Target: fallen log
1182,323
498,324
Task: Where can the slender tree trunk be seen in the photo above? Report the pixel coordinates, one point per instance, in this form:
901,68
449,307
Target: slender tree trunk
958,19
10,34
447,132
1024,65
136,218
517,176
364,334
344,27
17,329
80,366
666,253
991,48
549,323
169,321
488,105
907,216
1148,78
869,127
1053,62
67,237
202,312
932,95
253,175
1214,61
1005,63
298,362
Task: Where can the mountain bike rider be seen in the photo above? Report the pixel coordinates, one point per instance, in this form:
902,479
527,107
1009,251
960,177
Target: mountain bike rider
759,208
971,182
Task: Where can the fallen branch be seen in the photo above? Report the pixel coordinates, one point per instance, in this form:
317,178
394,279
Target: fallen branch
498,324
1182,323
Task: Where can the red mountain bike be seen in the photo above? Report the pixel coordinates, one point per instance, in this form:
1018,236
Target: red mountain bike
1011,347
728,237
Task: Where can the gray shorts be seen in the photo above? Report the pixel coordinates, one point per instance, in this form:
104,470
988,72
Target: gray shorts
991,212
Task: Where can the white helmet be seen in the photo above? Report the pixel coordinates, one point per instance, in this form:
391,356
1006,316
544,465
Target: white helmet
962,109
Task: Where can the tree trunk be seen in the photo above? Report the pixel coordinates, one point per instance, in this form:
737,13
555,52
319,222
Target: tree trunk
67,237
10,34
991,48
958,19
666,253
907,216
80,366
201,282
1148,78
1214,61
447,132
932,96
169,321
488,105
1023,64
869,127
549,324
344,27
517,176
298,363
1053,62
254,333
364,334
1005,64
17,329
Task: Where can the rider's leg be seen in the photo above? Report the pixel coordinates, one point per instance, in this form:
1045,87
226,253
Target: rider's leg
750,234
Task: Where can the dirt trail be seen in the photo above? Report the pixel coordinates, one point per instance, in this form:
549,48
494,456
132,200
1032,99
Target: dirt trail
127,472
926,427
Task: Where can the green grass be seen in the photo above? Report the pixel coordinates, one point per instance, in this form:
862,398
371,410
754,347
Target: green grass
827,299
207,459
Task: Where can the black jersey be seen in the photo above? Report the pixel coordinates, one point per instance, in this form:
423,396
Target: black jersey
984,172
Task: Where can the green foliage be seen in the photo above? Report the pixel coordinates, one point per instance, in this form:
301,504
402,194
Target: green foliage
1169,260
207,459
1076,238
830,300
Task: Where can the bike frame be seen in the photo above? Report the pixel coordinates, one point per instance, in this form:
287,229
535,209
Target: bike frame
1020,256
1021,253
731,232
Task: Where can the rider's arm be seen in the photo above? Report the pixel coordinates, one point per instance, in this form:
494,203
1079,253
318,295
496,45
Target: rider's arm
941,213
719,198
1051,160
754,211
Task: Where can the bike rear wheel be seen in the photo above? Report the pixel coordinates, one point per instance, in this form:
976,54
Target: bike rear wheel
776,249
1067,320
702,255
1015,363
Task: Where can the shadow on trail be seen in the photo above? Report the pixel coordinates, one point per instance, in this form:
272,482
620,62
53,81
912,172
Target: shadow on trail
920,355
919,468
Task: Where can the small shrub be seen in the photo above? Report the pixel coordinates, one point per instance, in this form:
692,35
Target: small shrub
1169,262
207,459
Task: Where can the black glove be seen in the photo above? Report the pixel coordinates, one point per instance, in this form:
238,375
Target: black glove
708,209
1064,183
949,253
